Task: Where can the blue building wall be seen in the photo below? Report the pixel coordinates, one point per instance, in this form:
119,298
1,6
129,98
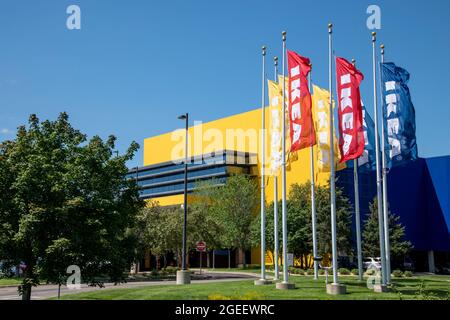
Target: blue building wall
419,193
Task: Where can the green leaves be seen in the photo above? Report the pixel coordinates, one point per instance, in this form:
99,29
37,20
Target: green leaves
65,200
371,236
299,222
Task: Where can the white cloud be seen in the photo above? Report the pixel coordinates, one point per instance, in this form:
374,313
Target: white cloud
5,131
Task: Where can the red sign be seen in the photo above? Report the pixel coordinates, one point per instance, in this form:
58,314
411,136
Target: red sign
201,246
300,116
351,130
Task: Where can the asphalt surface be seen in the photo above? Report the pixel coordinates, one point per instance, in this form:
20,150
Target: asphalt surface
43,292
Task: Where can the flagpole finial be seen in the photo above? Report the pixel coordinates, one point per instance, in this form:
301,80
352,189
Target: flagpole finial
264,50
374,36
353,61
382,48
283,34
275,61
330,28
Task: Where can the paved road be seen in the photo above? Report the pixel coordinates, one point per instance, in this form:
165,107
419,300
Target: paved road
49,291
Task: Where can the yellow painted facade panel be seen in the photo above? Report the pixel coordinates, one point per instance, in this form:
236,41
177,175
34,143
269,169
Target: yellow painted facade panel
220,135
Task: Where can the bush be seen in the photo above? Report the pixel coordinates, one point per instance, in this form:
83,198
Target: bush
355,272
154,273
344,271
397,273
310,272
321,272
171,270
294,270
371,272
408,274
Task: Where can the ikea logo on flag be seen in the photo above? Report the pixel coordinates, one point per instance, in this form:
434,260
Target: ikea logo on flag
392,119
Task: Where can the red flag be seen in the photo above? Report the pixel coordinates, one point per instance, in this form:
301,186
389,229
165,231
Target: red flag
300,116
351,130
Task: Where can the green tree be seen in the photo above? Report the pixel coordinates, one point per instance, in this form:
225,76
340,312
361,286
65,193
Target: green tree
371,237
151,231
343,221
299,222
203,209
65,201
235,207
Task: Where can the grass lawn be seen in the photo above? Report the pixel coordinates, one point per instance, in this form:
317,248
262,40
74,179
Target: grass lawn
9,281
307,288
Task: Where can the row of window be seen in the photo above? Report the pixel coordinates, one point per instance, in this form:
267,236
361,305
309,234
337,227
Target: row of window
173,188
179,176
218,159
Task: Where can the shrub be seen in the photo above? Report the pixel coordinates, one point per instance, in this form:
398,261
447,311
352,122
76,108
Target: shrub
171,270
294,270
355,272
408,274
310,272
154,273
397,273
370,272
321,272
344,271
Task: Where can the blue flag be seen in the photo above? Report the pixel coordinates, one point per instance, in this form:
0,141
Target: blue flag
367,161
399,118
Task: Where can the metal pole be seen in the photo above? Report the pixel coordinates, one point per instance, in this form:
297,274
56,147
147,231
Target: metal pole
377,156
200,262
313,201
357,214
263,171
385,197
358,221
185,194
332,164
283,176
275,203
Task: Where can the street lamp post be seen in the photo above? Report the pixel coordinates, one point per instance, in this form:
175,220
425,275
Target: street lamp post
184,275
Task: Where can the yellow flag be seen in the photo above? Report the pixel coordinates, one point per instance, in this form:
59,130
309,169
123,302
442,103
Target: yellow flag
290,157
321,116
275,127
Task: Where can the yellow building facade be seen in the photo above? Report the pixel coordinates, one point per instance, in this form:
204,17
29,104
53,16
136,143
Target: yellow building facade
240,133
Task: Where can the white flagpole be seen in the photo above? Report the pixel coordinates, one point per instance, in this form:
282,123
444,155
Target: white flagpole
285,284
275,203
385,196
263,279
313,200
335,287
357,214
381,287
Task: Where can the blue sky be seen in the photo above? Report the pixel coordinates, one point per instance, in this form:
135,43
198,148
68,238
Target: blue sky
136,65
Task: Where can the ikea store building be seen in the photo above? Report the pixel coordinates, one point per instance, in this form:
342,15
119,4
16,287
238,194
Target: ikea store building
419,193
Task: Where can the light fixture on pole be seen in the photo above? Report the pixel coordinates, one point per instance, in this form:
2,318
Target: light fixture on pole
184,275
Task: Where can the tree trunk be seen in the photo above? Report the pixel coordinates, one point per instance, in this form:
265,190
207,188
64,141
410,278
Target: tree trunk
26,288
158,262
244,260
